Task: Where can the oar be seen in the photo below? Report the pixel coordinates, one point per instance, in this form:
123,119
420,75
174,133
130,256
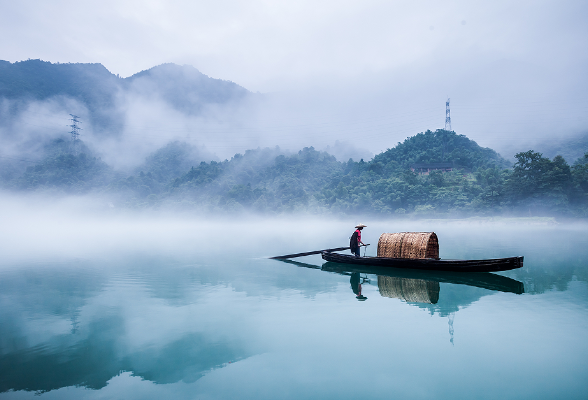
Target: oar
311,253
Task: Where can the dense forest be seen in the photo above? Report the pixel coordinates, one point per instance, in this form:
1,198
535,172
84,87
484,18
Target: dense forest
473,180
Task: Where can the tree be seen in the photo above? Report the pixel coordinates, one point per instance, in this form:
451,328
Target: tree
580,173
528,177
539,183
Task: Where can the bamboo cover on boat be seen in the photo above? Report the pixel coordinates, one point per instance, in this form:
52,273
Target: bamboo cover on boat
408,245
409,290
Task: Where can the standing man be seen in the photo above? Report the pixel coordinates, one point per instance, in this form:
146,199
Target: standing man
355,240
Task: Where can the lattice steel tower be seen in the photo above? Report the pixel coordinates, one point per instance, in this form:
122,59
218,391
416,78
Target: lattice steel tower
447,116
75,132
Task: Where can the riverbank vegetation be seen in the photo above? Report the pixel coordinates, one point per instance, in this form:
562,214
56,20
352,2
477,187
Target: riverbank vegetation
455,178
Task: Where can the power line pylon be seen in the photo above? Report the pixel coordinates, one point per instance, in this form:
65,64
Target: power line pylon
447,116
75,133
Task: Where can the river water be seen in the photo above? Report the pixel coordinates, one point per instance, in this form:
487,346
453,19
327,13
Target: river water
190,309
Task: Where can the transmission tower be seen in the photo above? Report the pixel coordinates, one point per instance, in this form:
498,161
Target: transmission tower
75,132
447,116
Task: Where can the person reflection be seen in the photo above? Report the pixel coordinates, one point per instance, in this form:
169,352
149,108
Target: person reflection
355,281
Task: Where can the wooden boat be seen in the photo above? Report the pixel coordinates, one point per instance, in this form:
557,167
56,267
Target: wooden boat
431,264
420,250
414,250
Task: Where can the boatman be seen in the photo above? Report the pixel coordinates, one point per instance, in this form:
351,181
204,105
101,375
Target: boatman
355,241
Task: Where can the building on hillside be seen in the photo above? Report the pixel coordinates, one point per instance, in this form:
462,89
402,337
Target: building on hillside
425,169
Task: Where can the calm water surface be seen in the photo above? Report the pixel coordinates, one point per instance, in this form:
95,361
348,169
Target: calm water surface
187,320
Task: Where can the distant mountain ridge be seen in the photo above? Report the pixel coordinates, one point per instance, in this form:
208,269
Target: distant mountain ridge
39,80
183,87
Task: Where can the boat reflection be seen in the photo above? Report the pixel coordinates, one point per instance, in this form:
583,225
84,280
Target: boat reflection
484,280
414,286
409,290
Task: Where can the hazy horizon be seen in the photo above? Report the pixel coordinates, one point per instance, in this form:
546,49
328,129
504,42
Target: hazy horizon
367,74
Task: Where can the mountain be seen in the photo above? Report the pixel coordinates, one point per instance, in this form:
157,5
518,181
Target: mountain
440,146
100,91
184,87
38,80
173,160
90,84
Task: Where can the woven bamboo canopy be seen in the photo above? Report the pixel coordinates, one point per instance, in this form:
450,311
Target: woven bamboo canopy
408,245
409,290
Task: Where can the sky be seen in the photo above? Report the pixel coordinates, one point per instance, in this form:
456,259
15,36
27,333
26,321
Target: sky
370,73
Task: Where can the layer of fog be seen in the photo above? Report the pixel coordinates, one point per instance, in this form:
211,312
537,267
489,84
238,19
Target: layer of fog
35,230
218,131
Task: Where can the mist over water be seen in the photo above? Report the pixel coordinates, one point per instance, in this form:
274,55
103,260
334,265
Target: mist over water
72,226
79,226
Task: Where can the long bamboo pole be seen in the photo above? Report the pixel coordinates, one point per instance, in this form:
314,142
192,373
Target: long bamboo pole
309,253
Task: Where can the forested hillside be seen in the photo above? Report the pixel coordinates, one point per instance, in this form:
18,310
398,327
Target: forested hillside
439,146
272,181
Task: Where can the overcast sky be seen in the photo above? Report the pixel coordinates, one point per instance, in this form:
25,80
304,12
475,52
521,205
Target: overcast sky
515,71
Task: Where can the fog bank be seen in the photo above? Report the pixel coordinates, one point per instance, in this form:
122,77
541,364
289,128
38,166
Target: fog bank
34,230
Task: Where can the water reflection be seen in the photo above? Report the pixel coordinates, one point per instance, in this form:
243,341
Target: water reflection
76,326
484,280
356,280
422,288
166,322
409,290
92,362
415,286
